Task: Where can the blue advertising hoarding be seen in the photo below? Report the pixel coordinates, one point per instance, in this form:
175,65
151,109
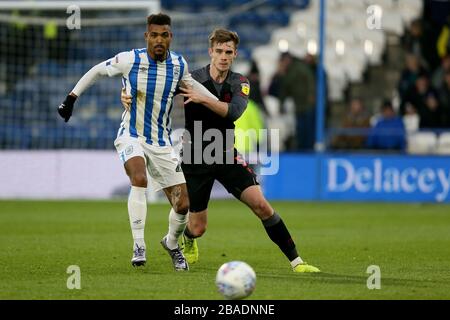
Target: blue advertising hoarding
296,178
390,178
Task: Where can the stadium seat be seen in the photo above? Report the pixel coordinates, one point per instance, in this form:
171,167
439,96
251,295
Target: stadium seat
304,16
15,136
422,143
250,38
354,4
354,62
181,5
288,34
244,52
276,18
443,145
266,58
298,4
212,5
392,22
386,5
273,105
410,10
235,3
245,18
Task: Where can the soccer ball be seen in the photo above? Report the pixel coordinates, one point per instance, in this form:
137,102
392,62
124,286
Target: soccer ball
235,280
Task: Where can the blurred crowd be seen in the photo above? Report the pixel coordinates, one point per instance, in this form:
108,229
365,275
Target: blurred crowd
422,101
294,85
423,91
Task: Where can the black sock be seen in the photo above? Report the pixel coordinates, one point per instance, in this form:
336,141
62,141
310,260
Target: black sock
279,234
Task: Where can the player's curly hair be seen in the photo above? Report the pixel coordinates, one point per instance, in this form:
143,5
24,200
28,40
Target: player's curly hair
221,35
160,19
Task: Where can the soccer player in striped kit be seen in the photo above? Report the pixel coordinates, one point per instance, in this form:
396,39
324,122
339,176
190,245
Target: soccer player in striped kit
151,76
233,90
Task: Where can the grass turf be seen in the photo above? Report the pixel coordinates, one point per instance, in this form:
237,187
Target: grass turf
410,244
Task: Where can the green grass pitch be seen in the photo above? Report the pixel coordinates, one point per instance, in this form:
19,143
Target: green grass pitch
410,244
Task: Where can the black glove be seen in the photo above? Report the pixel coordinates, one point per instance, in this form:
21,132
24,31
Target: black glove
65,109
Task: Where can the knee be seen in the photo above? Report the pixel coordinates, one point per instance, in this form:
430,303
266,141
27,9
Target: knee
139,180
197,230
262,209
182,206
197,224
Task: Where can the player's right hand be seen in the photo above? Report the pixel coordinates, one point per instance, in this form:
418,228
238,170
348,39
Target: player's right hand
65,109
125,99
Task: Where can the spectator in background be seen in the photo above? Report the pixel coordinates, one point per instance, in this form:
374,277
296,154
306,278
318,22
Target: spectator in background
424,98
409,75
283,64
356,118
411,119
418,41
255,93
443,43
444,98
389,132
295,79
438,75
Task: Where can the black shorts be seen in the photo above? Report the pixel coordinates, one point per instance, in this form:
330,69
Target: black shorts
200,179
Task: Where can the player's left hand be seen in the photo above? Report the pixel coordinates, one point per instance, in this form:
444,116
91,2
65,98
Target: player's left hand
191,95
65,109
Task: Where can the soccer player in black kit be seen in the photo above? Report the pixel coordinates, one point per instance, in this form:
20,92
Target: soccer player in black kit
203,113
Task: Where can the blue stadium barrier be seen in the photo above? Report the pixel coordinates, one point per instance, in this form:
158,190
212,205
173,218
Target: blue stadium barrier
356,177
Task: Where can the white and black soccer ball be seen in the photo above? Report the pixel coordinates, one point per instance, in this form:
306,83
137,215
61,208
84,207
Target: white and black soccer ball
235,280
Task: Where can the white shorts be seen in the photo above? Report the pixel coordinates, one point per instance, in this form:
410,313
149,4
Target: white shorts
163,165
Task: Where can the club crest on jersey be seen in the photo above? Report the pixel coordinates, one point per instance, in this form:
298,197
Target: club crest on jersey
245,88
176,71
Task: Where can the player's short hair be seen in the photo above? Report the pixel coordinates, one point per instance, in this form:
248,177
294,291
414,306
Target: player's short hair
223,35
160,19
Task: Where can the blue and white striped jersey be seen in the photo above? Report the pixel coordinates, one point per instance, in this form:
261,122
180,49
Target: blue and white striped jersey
152,85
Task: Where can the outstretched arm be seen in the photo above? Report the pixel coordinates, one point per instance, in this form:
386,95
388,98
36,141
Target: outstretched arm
90,78
66,108
111,67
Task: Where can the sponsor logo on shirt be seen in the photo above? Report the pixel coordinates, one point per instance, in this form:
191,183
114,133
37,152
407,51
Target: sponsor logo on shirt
245,88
